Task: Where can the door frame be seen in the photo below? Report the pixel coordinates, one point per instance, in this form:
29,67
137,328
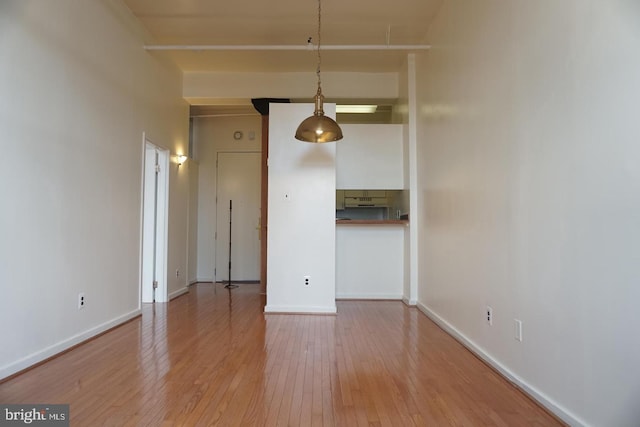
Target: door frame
264,202
161,209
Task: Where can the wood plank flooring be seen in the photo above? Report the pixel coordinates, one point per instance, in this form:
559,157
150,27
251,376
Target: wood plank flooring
211,357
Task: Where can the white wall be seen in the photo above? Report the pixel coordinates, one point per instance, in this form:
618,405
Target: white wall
178,248
301,232
78,91
205,88
529,195
213,135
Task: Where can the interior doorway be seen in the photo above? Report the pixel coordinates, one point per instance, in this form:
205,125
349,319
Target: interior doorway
238,217
155,184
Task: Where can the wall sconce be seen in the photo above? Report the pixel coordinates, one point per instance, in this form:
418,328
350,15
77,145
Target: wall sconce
181,158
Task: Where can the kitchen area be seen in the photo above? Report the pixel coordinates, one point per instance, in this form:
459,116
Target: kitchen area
357,248
372,205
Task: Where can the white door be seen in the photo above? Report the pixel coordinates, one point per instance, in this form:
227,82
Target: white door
238,187
154,225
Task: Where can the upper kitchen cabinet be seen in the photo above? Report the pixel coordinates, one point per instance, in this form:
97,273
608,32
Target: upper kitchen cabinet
370,156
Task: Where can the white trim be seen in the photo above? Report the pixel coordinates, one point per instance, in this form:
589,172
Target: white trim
146,272
369,296
176,294
162,293
141,225
409,302
533,392
55,349
205,279
290,309
414,190
235,47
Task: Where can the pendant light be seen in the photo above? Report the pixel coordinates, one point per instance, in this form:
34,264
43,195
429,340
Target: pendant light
319,128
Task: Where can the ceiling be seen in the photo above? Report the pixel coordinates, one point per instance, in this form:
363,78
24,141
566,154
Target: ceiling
285,23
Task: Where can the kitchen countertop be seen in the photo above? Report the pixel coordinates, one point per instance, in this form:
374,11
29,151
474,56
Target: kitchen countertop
372,221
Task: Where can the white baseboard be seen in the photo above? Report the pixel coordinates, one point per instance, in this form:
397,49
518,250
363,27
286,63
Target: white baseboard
204,279
50,351
534,393
284,309
179,292
369,296
409,302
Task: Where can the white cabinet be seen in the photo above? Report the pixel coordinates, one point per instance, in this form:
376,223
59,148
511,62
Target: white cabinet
365,193
370,261
370,156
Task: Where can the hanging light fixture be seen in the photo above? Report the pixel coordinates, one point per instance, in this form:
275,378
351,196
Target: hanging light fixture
319,128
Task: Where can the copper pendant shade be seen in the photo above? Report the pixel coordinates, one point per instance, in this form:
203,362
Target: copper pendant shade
319,128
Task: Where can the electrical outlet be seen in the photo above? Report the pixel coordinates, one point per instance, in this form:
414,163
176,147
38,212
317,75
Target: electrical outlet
81,300
307,280
177,272
518,329
489,316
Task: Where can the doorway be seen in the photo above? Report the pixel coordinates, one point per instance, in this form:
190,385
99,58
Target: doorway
155,184
238,217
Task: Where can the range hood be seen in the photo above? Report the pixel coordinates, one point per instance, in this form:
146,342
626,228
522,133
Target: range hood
365,202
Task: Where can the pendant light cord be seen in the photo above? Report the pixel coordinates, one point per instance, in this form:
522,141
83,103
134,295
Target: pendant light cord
319,40
319,128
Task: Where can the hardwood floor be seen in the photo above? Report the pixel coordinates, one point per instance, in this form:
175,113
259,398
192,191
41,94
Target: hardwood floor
211,357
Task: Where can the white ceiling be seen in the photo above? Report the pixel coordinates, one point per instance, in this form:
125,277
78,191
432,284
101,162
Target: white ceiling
285,22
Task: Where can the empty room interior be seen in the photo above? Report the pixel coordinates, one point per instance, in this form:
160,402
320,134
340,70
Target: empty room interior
361,213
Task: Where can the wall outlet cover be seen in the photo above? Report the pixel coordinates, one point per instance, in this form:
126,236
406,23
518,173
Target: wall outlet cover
518,329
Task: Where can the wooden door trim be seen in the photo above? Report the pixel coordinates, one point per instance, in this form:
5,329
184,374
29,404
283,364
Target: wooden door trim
264,191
